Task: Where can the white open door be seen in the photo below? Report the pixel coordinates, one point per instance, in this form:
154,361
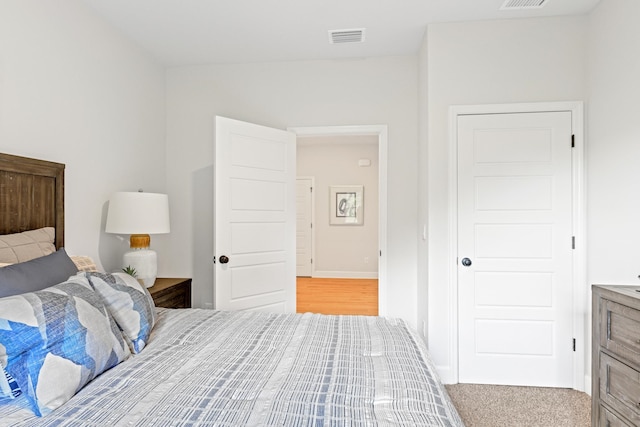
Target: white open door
254,217
515,252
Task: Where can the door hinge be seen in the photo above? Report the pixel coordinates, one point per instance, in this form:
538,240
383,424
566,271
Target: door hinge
573,141
573,242
310,189
311,261
311,225
574,344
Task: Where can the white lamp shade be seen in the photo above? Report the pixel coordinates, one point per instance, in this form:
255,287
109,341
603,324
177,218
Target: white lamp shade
138,213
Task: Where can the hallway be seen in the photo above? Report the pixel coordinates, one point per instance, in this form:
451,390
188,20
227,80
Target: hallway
337,296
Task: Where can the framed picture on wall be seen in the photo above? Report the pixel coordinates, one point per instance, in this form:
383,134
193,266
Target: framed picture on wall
346,205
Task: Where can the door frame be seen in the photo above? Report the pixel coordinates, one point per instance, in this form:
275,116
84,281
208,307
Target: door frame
581,379
313,220
381,132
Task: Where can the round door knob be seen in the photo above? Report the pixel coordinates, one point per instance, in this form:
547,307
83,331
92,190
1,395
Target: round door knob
466,262
224,259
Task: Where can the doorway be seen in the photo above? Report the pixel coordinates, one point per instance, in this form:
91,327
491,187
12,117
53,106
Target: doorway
378,256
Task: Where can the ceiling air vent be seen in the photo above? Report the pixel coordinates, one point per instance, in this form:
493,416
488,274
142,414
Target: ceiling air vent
355,35
523,4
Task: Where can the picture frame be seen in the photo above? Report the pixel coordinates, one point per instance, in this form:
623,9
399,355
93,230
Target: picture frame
346,204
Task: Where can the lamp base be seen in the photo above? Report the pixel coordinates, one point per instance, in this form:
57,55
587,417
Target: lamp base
145,263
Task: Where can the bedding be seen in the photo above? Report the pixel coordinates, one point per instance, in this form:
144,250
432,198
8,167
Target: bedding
215,368
9,387
84,263
25,246
56,340
36,274
130,304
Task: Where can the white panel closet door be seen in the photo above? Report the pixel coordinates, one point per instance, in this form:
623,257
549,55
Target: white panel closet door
515,230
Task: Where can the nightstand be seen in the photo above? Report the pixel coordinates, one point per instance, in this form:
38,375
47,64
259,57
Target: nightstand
171,292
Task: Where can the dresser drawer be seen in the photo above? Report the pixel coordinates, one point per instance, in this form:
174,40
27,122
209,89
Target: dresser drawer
620,331
620,387
608,419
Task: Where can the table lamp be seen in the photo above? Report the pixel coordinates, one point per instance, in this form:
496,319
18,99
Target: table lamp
139,214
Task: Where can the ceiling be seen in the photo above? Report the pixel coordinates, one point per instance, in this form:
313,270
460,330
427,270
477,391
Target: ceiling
186,32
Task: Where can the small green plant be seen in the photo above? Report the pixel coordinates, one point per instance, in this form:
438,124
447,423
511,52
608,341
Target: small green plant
130,271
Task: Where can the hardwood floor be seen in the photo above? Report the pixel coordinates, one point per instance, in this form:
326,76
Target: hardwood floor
337,296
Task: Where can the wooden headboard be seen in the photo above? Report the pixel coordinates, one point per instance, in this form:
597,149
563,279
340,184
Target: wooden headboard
31,195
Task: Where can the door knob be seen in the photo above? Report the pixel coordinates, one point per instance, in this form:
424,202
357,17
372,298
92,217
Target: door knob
224,259
466,262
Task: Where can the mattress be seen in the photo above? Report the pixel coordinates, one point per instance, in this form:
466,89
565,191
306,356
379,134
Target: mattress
216,368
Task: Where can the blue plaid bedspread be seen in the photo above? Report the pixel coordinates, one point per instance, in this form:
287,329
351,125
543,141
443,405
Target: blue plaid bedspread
215,368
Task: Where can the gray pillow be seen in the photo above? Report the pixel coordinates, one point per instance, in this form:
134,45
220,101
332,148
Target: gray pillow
36,274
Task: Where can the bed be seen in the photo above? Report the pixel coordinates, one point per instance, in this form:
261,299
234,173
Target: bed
190,367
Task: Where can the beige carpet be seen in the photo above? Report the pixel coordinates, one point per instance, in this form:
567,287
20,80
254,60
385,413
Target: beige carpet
498,406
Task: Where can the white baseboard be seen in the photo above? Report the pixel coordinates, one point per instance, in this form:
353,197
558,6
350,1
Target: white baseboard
587,384
345,274
446,374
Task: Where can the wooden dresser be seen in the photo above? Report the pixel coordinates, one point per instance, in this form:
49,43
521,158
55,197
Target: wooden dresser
616,356
171,292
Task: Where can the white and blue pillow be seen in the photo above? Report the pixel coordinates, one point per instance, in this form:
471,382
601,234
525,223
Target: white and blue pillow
9,387
130,304
56,340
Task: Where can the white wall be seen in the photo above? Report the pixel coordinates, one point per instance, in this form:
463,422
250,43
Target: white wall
73,91
613,154
614,143
514,61
342,251
306,93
